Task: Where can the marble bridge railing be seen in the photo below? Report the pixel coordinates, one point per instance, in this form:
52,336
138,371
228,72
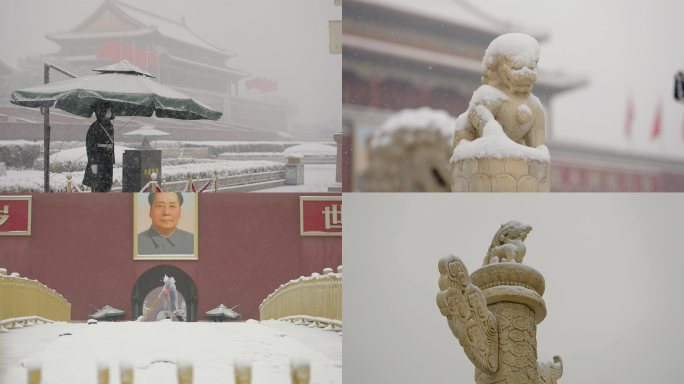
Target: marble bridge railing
312,300
24,303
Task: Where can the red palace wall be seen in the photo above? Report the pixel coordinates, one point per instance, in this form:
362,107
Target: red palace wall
81,245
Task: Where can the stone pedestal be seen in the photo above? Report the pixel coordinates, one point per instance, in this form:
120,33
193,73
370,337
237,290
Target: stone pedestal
499,175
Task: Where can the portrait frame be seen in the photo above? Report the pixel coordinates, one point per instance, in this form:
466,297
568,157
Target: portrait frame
141,209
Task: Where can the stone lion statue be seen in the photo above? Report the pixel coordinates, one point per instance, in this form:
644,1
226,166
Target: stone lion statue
508,243
410,152
509,71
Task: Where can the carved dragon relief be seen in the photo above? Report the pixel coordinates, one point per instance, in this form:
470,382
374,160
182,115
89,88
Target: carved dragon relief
496,323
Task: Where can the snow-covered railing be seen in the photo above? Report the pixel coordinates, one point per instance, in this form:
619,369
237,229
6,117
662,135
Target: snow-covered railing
151,185
71,185
279,157
190,186
316,299
24,303
185,153
223,182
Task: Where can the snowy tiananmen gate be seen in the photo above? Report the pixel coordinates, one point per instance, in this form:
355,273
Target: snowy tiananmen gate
248,245
171,52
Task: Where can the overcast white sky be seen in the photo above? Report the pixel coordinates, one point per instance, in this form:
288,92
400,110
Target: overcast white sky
625,48
285,41
612,264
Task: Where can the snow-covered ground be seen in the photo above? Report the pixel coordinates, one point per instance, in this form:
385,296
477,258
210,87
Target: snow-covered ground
310,149
317,178
69,353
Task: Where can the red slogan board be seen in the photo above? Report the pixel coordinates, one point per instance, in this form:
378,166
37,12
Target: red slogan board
15,215
320,215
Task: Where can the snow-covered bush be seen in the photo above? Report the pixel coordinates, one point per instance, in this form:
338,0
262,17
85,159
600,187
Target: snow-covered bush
204,169
218,147
3,169
19,153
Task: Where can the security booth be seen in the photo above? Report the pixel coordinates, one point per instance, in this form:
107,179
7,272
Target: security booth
138,167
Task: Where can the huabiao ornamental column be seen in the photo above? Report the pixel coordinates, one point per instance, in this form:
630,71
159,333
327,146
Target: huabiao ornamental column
495,311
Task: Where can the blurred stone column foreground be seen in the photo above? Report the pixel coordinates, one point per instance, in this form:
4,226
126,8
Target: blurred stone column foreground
495,311
337,187
499,141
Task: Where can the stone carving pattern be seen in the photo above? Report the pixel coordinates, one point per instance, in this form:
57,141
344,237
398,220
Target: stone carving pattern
465,307
509,274
508,243
522,295
551,372
517,345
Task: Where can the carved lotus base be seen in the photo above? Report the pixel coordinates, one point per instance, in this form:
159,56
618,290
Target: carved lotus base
514,283
500,175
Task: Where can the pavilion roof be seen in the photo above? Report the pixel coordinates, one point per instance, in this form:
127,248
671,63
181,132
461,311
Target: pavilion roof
459,13
116,19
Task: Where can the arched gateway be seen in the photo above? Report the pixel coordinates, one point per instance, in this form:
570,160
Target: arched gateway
152,278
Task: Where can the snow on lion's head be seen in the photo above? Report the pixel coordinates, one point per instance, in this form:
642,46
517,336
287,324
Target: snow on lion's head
510,63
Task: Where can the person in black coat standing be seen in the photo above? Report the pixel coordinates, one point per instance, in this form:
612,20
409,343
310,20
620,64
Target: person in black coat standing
99,172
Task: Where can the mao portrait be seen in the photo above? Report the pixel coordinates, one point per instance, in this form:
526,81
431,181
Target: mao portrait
165,226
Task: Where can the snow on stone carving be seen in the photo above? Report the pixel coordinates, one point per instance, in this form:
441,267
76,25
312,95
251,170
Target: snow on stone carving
504,120
507,244
410,152
495,311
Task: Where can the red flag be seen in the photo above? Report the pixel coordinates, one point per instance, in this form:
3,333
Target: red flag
656,124
141,57
268,86
110,50
127,53
152,60
254,83
630,117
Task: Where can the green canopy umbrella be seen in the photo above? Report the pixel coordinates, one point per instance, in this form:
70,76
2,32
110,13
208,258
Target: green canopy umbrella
222,311
106,312
127,87
130,90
